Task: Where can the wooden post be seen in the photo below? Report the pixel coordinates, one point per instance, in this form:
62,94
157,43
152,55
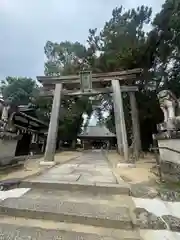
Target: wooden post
53,127
135,124
120,113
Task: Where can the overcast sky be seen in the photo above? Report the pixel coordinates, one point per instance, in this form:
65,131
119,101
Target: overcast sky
26,25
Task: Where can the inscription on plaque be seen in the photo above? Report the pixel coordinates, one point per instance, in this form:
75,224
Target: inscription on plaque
86,81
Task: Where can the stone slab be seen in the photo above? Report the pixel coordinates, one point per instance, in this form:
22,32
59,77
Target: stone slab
94,172
96,179
79,196
84,166
68,165
105,233
66,211
63,170
74,232
107,188
60,177
12,232
92,167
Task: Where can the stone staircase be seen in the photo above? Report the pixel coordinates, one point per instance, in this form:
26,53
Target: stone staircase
51,210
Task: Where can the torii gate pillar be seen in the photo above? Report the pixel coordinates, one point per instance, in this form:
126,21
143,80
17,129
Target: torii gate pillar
53,127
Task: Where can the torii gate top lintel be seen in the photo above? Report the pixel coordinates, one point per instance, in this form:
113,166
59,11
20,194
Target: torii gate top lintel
73,81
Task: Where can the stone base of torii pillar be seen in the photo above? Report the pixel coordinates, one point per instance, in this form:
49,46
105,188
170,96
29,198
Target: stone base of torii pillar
47,163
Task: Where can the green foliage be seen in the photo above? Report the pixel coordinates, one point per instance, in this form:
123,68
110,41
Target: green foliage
64,58
124,44
167,21
122,40
68,58
18,90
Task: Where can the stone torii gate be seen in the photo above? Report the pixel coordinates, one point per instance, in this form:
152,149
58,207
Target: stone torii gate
90,84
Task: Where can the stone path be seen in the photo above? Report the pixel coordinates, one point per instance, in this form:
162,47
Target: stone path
32,166
82,199
91,167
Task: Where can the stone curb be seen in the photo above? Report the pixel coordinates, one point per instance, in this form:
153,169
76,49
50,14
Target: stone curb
118,178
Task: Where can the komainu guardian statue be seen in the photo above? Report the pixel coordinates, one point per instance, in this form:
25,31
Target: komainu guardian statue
169,104
168,137
6,113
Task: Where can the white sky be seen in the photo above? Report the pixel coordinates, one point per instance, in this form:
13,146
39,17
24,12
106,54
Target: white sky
26,25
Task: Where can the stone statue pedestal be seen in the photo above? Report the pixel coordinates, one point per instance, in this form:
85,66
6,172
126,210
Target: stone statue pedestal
169,149
8,144
168,137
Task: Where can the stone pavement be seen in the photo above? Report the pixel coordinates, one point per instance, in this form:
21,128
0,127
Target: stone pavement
33,167
88,168
82,199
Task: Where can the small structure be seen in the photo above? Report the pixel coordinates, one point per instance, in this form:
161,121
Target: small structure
168,136
18,131
97,137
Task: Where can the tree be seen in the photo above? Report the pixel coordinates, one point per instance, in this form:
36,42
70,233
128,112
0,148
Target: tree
63,59
157,52
122,40
167,21
123,44
19,91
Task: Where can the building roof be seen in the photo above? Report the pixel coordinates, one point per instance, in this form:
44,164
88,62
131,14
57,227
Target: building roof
22,119
96,131
25,108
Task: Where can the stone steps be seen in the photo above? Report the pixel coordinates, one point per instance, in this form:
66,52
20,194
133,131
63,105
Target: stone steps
79,200
79,196
106,188
55,209
22,228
